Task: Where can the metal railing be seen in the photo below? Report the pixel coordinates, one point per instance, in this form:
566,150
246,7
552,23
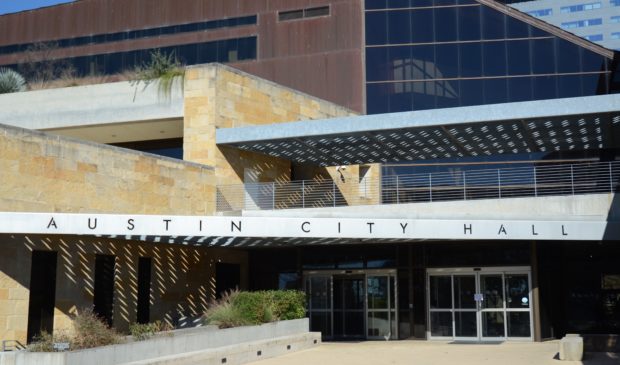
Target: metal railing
527,181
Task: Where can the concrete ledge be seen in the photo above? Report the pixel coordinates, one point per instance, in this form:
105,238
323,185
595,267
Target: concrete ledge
241,353
571,348
205,344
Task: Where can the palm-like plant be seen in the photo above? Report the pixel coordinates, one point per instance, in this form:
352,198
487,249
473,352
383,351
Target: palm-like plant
11,81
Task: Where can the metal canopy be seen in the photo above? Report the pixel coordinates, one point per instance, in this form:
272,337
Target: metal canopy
583,123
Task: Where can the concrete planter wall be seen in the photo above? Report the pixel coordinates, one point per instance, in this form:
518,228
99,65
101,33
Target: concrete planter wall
177,343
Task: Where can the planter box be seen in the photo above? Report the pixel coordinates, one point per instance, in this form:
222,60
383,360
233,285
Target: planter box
178,342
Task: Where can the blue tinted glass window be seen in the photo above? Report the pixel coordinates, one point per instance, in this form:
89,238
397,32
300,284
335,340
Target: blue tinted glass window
516,28
495,91
399,27
378,98
422,26
445,25
568,58
401,65
446,56
543,56
396,4
421,3
518,57
423,62
423,94
376,27
469,23
569,86
494,58
519,89
545,87
400,97
593,84
493,24
592,62
447,93
470,57
472,92
377,65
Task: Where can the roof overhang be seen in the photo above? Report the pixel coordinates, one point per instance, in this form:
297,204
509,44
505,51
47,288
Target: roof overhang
583,123
276,231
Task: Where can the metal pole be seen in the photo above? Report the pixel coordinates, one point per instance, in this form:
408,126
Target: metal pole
611,180
303,193
273,195
499,183
535,186
430,186
334,192
572,180
397,192
464,187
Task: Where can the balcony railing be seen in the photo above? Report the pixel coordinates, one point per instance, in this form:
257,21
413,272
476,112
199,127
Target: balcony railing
529,181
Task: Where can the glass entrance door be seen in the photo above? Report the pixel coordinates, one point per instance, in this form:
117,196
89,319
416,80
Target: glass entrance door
381,298
353,304
349,307
482,304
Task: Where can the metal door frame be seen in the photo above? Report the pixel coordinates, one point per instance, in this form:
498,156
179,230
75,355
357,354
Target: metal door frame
477,272
307,274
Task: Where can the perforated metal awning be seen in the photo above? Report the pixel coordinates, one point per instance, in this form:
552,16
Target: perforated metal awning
584,123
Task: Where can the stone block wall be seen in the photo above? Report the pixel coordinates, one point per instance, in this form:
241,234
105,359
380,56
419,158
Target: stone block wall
218,96
46,173
183,279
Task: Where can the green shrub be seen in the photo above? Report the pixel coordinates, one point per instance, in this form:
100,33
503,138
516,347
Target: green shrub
252,308
11,81
224,314
89,331
144,331
255,307
289,304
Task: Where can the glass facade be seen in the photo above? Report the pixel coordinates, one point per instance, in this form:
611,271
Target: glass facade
137,34
228,50
427,54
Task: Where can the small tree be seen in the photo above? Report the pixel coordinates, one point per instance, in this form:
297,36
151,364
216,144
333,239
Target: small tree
11,81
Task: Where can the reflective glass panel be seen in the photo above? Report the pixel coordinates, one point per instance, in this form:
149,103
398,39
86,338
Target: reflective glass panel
492,324
441,324
465,324
519,324
464,290
492,291
377,287
517,291
440,292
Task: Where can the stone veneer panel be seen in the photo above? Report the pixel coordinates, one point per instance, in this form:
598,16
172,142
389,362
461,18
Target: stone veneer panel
46,173
182,279
218,96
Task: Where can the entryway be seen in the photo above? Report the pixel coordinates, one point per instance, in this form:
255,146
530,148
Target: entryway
352,304
480,304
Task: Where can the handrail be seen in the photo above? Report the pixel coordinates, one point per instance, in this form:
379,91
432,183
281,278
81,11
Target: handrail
501,183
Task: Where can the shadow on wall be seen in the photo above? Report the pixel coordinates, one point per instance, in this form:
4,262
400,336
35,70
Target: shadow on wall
182,279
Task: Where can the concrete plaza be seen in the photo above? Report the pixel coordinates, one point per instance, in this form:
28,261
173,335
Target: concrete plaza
435,353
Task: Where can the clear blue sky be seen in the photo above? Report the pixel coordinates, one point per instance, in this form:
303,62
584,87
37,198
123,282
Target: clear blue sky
12,6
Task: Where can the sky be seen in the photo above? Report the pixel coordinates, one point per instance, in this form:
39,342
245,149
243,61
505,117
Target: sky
12,6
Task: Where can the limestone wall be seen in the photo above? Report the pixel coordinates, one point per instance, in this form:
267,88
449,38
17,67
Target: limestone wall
46,173
218,96
182,279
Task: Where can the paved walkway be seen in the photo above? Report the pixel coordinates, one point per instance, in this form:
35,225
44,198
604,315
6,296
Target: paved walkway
434,353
